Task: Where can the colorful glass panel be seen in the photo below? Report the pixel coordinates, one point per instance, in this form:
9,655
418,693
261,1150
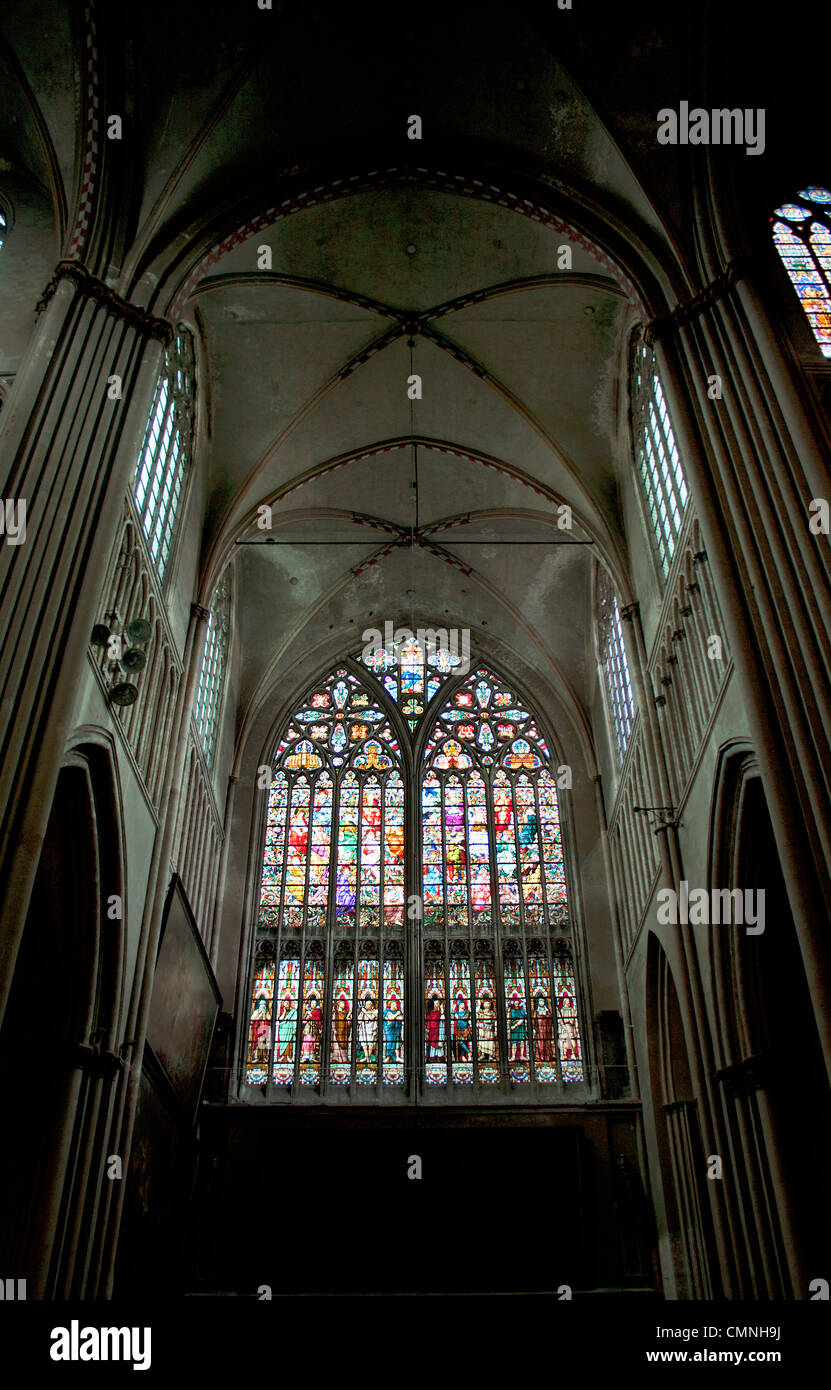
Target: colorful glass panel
394,851
479,850
285,1023
392,1070
351,714
273,854
340,1067
490,820
455,853
516,1015
487,1040
311,1027
366,1023
298,854
435,1047
568,1027
317,896
461,1024
542,1015
347,870
370,853
413,670
506,866
259,1032
433,875
804,248
529,852
552,846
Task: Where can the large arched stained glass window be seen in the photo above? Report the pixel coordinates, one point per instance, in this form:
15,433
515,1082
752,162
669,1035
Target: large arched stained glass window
499,991
802,237
328,995
485,945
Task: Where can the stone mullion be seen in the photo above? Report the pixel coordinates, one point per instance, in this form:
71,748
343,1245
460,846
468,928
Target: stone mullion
68,450
414,1035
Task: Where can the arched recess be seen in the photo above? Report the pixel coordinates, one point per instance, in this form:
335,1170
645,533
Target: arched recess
58,1047
771,1078
547,966
683,1161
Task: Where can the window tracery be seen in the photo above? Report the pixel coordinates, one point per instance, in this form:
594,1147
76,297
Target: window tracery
802,237
333,1003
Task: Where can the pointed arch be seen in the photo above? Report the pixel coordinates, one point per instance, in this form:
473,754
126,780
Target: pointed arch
802,236
500,992
328,988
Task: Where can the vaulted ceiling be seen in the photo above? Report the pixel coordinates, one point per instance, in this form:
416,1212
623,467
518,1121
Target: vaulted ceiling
389,257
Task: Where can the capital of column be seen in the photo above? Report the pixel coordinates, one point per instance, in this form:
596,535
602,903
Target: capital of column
199,612
94,288
630,612
682,314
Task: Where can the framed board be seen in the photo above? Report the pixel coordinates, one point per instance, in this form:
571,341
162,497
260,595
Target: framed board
186,1002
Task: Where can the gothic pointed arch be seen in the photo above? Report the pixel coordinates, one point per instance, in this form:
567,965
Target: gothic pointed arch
500,994
328,983
384,765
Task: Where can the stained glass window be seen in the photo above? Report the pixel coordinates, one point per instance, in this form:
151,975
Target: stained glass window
164,461
802,237
414,667
334,946
496,916
332,898
612,650
212,676
659,463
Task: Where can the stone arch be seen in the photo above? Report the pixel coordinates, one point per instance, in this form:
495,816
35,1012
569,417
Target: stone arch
768,1081
59,1048
683,1161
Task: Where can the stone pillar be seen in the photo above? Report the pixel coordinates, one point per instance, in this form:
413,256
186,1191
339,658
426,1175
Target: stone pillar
67,448
689,984
228,821
753,466
157,882
626,1012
